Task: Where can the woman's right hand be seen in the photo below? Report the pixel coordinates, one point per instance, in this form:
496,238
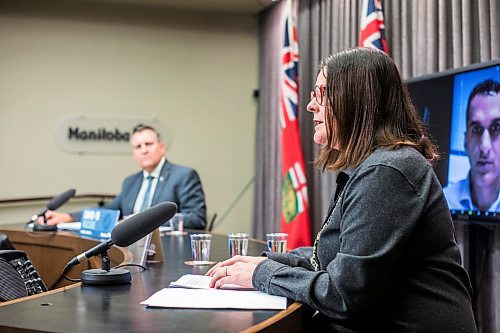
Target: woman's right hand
233,260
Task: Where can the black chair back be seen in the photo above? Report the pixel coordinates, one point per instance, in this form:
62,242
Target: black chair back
5,244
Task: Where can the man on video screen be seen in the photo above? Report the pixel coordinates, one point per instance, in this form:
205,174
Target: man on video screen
481,188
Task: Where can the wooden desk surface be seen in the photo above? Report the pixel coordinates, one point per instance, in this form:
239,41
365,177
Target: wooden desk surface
81,308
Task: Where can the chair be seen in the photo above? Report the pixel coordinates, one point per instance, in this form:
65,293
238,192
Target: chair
210,223
18,276
5,244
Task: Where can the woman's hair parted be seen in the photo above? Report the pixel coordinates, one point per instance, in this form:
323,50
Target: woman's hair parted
367,106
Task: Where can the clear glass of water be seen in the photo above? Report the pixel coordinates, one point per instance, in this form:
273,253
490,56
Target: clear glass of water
177,224
276,242
237,244
200,248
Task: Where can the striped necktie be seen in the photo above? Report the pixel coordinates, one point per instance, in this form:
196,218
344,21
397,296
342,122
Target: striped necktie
147,194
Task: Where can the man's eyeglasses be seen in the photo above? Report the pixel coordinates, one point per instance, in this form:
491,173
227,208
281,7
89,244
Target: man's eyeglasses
319,94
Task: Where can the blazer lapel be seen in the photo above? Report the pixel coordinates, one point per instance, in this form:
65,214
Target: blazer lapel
132,193
161,182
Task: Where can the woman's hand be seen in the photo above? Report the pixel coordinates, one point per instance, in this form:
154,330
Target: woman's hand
236,270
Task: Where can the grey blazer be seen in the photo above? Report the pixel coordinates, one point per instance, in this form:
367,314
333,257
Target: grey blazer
387,260
177,183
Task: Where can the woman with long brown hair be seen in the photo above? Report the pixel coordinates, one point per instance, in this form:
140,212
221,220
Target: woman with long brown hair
385,258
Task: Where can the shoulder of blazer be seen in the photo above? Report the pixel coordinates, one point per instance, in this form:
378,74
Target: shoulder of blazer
180,170
167,167
132,178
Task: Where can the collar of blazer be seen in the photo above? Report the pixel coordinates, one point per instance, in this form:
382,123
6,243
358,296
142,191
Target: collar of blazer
165,170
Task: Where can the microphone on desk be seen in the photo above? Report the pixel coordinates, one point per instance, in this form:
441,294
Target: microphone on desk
53,204
124,234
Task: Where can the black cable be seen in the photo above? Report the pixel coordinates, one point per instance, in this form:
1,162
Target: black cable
66,270
131,265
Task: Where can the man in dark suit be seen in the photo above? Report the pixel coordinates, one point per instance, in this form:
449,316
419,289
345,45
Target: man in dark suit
159,181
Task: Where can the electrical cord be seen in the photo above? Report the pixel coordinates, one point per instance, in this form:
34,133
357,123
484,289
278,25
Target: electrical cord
132,265
65,272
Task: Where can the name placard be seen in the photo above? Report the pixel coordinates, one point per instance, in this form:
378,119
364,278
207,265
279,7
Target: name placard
99,222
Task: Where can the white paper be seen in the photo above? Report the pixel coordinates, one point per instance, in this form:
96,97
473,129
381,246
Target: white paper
69,226
215,299
201,282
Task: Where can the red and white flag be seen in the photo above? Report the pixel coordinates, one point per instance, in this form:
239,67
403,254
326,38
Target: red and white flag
295,205
372,26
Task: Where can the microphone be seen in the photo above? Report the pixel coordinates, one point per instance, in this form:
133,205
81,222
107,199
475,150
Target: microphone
53,204
124,234
139,225
61,199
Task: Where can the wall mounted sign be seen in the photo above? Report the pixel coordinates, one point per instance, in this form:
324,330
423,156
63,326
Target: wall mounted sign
84,135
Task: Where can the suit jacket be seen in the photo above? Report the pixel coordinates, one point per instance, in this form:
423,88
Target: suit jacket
177,184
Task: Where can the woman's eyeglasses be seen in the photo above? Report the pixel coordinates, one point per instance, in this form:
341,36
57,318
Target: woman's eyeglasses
319,94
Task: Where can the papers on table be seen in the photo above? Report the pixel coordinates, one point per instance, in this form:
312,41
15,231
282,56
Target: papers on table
63,226
201,282
192,291
69,226
215,299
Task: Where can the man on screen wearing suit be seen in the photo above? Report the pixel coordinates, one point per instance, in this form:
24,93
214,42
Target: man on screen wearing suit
159,181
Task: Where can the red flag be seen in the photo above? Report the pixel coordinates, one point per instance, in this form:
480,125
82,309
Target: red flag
294,205
372,26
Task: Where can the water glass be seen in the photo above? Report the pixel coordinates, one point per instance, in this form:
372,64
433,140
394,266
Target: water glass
177,224
237,244
200,248
276,242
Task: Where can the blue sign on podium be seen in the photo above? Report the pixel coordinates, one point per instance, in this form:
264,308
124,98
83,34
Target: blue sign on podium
99,222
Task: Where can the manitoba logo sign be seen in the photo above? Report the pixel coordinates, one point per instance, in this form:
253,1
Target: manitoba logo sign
87,135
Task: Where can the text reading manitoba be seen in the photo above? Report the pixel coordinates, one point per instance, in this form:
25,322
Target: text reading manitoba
100,134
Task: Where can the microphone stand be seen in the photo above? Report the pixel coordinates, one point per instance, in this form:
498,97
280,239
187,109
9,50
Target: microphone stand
43,226
106,276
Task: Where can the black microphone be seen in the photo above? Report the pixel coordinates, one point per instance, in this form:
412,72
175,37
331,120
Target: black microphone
61,199
53,204
132,229
139,225
56,202
95,251
124,234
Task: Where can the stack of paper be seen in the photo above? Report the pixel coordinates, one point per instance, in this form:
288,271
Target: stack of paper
192,291
201,282
69,226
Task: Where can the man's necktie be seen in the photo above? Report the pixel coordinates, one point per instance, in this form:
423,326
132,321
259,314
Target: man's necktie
147,194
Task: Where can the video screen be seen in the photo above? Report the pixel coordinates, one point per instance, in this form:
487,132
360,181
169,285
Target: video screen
462,111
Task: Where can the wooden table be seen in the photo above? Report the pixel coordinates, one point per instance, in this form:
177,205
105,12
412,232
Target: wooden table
80,308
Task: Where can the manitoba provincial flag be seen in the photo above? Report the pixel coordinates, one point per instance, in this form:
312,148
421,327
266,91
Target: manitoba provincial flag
372,26
295,206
